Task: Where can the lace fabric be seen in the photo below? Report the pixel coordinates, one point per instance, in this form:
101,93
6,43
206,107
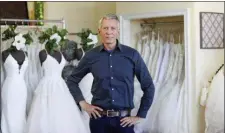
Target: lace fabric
215,105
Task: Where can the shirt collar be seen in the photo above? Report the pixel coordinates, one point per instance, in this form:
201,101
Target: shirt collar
118,46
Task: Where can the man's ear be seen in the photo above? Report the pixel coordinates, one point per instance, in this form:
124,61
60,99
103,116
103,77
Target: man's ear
98,31
118,33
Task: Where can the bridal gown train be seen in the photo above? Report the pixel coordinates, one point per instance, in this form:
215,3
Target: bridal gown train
53,109
14,96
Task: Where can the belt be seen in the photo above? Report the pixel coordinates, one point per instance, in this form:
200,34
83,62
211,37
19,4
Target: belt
114,113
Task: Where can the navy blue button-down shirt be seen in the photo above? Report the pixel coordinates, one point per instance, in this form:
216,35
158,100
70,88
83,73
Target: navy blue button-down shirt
113,72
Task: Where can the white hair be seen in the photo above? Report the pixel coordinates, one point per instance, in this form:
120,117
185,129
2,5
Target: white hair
108,16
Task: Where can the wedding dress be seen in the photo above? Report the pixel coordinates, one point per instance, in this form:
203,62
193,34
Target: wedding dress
167,120
152,120
139,45
165,62
2,74
151,55
155,58
159,61
33,73
214,113
14,96
181,118
53,109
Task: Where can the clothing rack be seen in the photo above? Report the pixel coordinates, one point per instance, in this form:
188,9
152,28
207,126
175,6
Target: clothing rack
62,21
159,23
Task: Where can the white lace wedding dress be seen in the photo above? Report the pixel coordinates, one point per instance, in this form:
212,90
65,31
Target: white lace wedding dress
53,109
214,112
14,96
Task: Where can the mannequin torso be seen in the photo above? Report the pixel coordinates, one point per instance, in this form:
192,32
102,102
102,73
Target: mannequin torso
43,55
18,55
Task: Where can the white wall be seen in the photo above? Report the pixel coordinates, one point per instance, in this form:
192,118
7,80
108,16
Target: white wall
79,15
144,7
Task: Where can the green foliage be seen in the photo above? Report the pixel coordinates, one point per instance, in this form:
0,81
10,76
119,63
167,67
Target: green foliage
28,38
84,39
51,45
10,33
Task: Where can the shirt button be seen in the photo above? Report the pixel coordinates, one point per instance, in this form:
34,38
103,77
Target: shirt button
110,66
110,55
111,77
112,88
113,100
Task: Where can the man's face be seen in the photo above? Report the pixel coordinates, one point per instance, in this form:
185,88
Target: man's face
109,31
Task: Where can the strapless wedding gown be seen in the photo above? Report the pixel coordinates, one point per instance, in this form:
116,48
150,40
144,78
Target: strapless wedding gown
14,96
53,109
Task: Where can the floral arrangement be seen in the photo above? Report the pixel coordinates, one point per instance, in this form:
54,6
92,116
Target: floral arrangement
53,38
88,39
19,41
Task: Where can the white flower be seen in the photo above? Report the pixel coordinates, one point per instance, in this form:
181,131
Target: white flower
56,37
19,42
94,39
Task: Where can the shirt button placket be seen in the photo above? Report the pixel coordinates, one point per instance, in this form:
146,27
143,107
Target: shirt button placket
111,73
110,64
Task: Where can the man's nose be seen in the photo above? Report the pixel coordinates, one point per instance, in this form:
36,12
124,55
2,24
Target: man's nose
108,31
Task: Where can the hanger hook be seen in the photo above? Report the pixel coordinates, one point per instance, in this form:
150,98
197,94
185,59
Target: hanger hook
5,23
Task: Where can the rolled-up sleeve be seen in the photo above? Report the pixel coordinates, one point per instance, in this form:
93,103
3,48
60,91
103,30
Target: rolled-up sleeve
147,86
73,80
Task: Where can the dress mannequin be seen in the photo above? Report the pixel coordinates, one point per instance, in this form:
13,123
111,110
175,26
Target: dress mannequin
79,53
14,91
69,50
18,55
71,54
43,55
53,109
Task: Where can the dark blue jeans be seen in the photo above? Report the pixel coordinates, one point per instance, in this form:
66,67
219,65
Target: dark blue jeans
109,125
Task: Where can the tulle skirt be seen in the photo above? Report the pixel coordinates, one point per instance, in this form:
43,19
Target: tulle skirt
54,110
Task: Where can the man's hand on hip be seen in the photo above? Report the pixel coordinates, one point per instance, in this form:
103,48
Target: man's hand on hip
90,109
129,121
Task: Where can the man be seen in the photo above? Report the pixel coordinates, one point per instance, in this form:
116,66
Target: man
113,66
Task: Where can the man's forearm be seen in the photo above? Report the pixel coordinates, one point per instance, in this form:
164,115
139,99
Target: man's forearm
146,101
74,89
